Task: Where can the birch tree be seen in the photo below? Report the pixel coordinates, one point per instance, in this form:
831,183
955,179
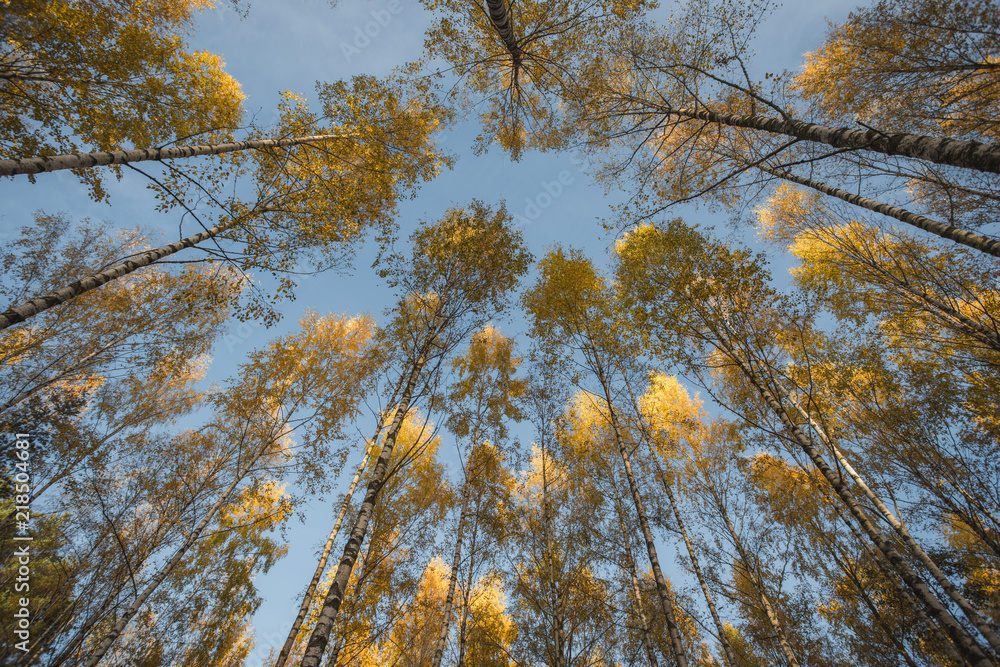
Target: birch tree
459,275
484,395
106,75
391,567
572,307
312,202
281,391
515,59
715,301
669,419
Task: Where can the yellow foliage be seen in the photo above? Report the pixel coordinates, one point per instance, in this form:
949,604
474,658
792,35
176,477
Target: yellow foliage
521,91
921,66
266,502
486,393
983,568
791,494
782,217
670,411
110,75
491,631
414,636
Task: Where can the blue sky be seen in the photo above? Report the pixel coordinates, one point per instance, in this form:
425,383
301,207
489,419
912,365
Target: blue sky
292,44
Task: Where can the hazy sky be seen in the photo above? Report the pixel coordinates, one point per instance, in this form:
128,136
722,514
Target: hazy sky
292,44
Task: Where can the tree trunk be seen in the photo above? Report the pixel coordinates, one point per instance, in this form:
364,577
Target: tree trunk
666,603
966,154
966,644
286,649
647,642
331,660
758,583
456,560
462,629
946,644
970,612
966,238
22,312
500,18
558,630
636,592
35,165
466,599
673,630
726,648
321,632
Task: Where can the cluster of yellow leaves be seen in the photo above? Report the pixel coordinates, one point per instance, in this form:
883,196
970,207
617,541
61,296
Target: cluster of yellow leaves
486,393
110,75
672,415
914,66
860,271
296,376
981,567
790,494
542,475
491,631
524,88
472,253
267,502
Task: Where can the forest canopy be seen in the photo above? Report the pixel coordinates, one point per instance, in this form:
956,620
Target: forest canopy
744,414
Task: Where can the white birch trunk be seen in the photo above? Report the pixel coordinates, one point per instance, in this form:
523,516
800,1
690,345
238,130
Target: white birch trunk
23,311
35,165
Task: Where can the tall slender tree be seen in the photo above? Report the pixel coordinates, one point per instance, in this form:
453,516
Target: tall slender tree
313,201
484,395
460,273
281,391
708,307
571,306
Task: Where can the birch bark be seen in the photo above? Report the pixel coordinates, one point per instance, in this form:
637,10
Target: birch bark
286,649
964,642
21,312
331,605
666,604
950,589
456,561
940,150
726,648
35,165
963,236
